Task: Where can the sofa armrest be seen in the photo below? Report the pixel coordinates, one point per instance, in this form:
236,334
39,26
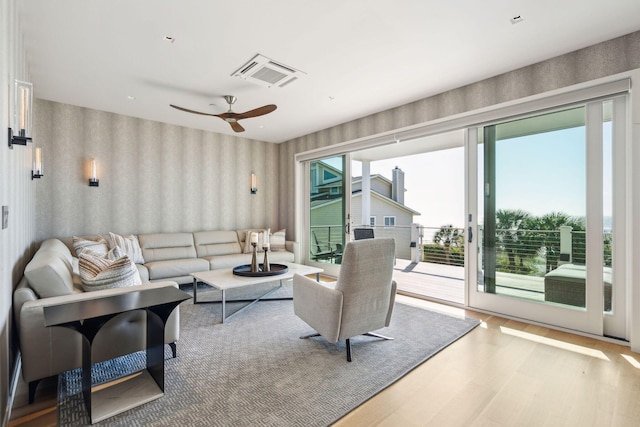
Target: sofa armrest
293,247
319,305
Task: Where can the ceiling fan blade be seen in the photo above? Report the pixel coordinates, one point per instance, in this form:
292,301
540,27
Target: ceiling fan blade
261,111
236,127
190,111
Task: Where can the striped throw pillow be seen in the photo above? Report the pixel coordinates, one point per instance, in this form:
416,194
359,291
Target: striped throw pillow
129,245
99,245
97,273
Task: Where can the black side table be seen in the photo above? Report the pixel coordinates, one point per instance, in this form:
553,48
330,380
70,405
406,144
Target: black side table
88,316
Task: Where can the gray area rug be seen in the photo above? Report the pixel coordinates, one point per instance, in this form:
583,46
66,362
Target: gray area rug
254,370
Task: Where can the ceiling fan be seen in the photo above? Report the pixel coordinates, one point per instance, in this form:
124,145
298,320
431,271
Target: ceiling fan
231,117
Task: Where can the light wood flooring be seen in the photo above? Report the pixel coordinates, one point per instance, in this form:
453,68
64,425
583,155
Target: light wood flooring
503,373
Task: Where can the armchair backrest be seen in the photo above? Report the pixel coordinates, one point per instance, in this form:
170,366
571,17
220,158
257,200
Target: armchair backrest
365,280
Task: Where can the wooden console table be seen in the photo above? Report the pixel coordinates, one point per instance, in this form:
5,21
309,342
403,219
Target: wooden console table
88,317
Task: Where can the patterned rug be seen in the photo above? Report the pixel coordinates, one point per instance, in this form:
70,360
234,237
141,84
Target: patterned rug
254,370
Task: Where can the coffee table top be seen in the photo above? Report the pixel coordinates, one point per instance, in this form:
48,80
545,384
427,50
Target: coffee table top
225,279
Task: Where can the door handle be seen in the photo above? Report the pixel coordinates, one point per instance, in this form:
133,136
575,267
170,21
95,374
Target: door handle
347,228
470,234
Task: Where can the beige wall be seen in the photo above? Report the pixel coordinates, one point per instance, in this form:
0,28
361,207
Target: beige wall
16,191
154,177
601,60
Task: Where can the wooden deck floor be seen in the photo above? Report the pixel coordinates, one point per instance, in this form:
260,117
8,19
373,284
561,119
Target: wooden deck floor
446,282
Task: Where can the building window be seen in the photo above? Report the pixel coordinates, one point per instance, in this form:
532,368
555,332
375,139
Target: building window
372,221
389,221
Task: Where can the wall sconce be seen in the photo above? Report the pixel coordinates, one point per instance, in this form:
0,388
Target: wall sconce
21,124
36,172
93,178
254,183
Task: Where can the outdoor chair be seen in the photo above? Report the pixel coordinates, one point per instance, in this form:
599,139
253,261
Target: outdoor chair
360,301
363,233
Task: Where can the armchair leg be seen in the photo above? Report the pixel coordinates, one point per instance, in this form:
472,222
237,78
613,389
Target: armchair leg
348,350
314,334
174,349
372,334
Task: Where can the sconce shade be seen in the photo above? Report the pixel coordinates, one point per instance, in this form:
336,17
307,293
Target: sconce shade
37,163
254,183
93,177
20,130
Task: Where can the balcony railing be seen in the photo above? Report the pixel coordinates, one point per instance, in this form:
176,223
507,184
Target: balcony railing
528,252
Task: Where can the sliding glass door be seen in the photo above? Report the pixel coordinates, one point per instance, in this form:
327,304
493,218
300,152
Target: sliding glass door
541,198
328,211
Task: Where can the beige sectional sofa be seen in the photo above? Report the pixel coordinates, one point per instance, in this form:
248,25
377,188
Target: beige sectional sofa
51,277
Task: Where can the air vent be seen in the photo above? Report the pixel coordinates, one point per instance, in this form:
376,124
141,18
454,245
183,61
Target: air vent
266,72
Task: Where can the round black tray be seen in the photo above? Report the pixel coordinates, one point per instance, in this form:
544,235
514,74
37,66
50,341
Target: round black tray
245,270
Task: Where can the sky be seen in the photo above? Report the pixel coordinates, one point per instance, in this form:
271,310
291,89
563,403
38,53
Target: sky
538,173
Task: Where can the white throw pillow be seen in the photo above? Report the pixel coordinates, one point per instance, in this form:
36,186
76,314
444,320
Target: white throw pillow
129,245
97,273
99,245
278,240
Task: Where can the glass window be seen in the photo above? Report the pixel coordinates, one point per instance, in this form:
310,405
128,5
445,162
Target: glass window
389,221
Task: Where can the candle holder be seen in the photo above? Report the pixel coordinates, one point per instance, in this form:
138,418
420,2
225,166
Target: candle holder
254,260
265,263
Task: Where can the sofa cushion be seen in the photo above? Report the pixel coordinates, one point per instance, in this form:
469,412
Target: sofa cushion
116,270
99,245
129,245
49,273
209,243
166,246
170,269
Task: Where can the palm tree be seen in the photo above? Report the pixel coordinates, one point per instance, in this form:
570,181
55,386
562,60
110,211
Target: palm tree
551,242
509,223
448,237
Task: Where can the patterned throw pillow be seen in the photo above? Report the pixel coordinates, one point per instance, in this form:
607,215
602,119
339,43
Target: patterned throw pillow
99,245
129,245
277,240
97,273
247,241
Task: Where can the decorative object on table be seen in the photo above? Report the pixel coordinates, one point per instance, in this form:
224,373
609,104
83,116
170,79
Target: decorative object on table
254,261
265,248
274,270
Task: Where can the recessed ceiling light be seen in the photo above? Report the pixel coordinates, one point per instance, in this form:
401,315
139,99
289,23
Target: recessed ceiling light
517,19
131,97
169,39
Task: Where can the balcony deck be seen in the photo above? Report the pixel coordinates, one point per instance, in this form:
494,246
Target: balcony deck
446,282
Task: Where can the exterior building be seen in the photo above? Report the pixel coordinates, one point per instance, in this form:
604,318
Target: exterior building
387,213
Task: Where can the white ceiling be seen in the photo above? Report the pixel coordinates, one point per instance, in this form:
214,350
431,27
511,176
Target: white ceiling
360,56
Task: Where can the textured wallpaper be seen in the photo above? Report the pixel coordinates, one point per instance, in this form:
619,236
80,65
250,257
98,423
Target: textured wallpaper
601,60
154,177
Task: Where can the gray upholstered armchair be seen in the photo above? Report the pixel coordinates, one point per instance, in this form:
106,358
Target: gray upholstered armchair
361,300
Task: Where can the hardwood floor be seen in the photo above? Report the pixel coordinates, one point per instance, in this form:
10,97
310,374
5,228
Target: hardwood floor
503,373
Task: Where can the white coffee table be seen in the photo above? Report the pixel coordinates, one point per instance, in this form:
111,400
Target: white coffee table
224,279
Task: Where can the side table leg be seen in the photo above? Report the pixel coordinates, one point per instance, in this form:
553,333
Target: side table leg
195,290
224,297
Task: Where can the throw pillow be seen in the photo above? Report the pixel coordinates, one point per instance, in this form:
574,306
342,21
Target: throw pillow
97,273
129,244
99,245
247,240
277,240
